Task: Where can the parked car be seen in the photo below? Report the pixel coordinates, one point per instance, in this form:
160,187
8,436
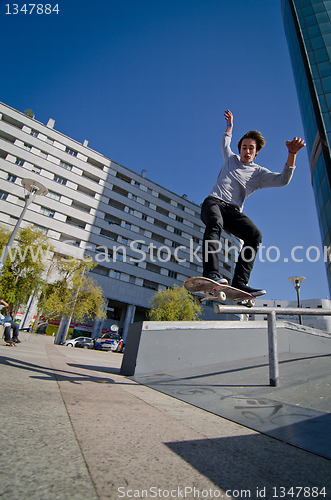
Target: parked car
73,342
108,344
111,336
85,344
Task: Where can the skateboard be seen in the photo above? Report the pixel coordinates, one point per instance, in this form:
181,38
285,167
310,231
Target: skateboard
207,289
10,342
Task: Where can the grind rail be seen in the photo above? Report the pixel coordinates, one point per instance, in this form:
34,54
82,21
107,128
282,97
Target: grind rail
271,312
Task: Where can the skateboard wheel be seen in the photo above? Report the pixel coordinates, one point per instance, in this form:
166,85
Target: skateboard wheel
221,296
250,303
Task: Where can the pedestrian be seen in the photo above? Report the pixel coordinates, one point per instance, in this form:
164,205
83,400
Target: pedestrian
8,325
239,177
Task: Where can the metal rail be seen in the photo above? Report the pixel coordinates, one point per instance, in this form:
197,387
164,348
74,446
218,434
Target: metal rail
271,312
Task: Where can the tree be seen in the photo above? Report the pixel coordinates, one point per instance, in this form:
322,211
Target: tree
29,113
72,293
174,304
24,267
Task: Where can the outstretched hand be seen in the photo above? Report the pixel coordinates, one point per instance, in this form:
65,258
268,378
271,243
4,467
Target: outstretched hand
228,116
295,145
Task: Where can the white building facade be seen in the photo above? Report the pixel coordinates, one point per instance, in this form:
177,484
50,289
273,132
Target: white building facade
318,322
143,237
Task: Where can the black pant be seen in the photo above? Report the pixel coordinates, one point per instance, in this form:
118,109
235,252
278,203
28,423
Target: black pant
15,327
218,215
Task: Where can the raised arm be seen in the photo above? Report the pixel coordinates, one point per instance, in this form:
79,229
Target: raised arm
293,148
229,121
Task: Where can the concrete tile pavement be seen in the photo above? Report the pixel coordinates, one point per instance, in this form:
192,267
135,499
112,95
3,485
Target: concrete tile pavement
73,428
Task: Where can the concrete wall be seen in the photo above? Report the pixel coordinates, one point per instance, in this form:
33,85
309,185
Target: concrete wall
35,337
154,347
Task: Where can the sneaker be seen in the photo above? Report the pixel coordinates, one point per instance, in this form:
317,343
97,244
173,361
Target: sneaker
217,278
248,289
16,341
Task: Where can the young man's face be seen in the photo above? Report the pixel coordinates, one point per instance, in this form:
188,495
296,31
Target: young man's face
248,150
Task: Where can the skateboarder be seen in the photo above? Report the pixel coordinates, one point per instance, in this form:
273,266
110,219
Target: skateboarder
239,177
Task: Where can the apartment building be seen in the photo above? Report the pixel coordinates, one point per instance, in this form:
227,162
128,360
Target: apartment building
319,322
142,236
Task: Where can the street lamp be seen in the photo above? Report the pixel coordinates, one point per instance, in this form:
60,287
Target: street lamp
32,188
297,280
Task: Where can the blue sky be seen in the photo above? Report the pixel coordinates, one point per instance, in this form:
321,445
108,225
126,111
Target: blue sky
146,82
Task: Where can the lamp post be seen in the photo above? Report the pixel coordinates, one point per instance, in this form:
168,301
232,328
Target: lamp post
32,188
297,280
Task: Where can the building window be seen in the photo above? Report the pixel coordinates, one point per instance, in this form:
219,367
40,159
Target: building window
34,133
75,222
104,271
117,275
179,219
11,178
53,196
36,169
153,268
65,165
123,177
116,204
120,191
27,146
108,234
111,219
71,152
144,217
164,198
60,180
177,231
181,207
19,162
133,197
3,195
47,212
41,228
150,285
172,274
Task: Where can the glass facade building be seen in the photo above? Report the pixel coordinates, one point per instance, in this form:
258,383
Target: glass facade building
308,31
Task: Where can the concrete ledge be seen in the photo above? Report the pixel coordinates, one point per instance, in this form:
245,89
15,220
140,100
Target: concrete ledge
154,347
35,337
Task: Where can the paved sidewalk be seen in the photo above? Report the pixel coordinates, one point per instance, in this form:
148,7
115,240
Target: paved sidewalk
73,428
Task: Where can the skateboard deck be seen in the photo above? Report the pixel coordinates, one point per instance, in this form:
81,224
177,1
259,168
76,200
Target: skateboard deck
211,290
10,342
